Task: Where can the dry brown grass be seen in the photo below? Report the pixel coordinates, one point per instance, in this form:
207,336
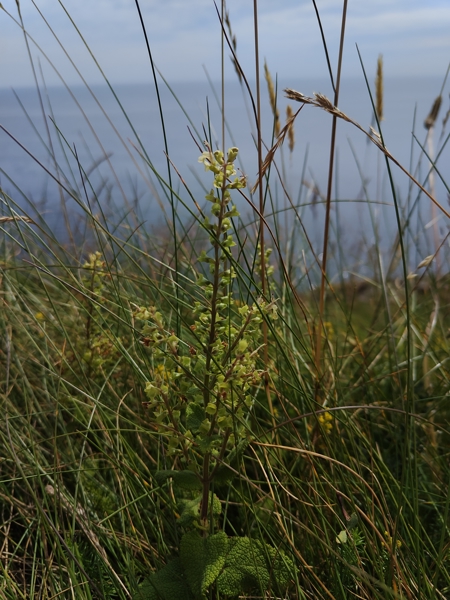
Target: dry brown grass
290,131
321,101
272,99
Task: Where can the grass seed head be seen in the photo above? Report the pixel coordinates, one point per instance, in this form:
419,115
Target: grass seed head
433,115
272,99
290,127
379,90
234,45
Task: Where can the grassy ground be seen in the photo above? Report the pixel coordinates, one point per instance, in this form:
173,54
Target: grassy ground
344,468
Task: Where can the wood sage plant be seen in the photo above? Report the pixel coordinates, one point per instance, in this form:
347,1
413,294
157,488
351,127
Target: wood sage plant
200,395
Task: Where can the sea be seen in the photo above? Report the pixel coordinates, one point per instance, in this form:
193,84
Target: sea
133,151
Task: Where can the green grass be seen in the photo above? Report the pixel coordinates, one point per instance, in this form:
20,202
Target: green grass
347,465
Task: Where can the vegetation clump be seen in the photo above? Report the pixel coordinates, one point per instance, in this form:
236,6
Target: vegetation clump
200,398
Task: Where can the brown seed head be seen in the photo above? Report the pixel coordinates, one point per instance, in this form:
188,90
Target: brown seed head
431,119
290,126
379,88
234,45
272,99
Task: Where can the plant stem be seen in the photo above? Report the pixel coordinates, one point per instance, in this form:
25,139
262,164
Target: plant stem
318,350
261,209
205,492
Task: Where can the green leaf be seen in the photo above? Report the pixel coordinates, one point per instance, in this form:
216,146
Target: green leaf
280,566
224,474
189,511
211,442
342,537
162,476
203,559
195,415
252,565
167,584
187,480
216,508
245,568
353,522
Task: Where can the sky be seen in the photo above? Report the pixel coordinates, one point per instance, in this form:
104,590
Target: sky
412,35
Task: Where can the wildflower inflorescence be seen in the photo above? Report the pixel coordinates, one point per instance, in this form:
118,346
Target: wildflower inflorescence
202,386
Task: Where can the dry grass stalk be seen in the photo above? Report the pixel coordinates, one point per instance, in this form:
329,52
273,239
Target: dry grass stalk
18,218
270,155
234,45
445,119
429,126
321,101
431,119
379,90
272,99
447,115
290,132
374,132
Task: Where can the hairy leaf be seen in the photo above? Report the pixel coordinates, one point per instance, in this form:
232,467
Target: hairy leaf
167,584
252,565
189,511
203,559
195,415
245,568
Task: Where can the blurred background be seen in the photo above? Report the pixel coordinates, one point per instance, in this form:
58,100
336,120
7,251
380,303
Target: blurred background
78,123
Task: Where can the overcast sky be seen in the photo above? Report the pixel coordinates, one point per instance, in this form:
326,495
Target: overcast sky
412,35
